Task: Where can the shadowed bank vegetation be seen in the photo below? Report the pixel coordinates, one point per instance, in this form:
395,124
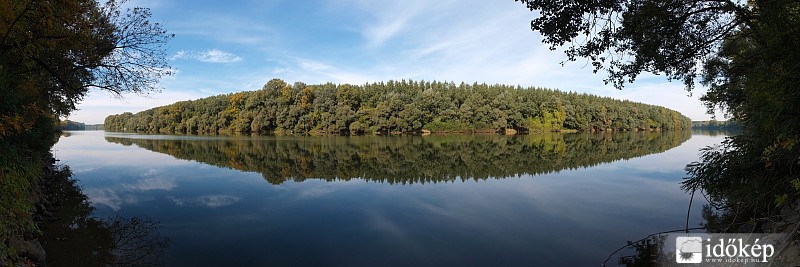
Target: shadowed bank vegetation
746,54
51,54
397,106
411,159
73,237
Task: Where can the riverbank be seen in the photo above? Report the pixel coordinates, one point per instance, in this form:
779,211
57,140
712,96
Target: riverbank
27,204
66,232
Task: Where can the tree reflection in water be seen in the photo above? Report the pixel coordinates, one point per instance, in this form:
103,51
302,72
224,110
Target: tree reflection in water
646,252
73,237
408,159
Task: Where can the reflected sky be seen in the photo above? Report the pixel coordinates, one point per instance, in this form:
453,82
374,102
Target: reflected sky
223,216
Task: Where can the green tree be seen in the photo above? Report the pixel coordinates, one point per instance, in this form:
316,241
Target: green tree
60,49
391,107
744,52
630,37
51,54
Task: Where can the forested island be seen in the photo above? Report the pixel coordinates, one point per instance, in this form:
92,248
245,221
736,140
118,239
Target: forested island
411,159
716,125
398,107
68,125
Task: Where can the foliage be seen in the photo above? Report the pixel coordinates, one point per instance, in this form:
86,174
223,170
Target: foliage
68,125
716,125
647,252
630,37
23,158
754,78
94,127
56,50
745,52
412,159
51,54
397,106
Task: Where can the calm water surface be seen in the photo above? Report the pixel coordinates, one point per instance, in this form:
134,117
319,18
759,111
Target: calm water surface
462,200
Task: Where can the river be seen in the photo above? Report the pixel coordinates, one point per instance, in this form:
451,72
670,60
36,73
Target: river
449,200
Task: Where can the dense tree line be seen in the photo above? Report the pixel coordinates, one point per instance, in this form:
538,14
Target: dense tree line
68,125
94,127
397,106
412,159
716,125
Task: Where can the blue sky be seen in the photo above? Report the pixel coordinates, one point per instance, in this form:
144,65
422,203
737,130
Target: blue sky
226,46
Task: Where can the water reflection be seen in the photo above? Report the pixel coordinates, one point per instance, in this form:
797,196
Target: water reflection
716,132
73,237
572,217
709,249
647,252
409,159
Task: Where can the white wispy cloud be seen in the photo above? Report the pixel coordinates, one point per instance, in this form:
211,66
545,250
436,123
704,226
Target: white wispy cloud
379,34
226,27
210,56
492,44
211,201
313,65
357,41
99,104
312,71
152,183
114,198
391,20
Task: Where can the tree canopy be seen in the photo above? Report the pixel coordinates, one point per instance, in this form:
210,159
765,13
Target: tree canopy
68,125
51,54
745,52
398,107
672,37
